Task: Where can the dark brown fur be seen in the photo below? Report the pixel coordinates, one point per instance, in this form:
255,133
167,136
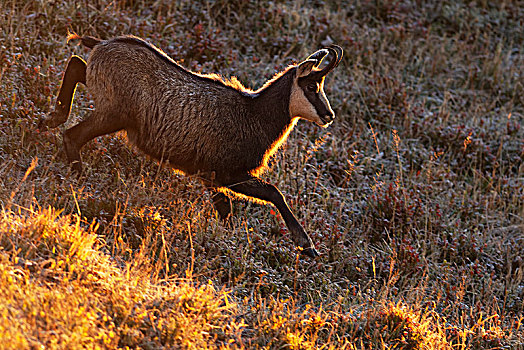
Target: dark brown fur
196,123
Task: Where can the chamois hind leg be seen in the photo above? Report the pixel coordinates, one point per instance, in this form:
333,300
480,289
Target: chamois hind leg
257,188
75,73
97,124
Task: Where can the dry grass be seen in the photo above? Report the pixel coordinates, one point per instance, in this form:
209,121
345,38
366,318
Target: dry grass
60,290
414,195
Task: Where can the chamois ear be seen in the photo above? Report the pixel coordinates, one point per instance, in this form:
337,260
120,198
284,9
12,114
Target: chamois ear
305,67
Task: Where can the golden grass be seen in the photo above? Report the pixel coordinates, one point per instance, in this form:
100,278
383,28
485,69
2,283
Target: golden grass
59,291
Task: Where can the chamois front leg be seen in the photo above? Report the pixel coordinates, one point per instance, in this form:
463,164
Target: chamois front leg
75,73
222,204
257,188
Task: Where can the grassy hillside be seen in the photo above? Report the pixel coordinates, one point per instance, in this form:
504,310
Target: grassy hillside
414,195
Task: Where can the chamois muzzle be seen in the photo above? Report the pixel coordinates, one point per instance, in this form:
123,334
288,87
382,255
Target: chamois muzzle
327,118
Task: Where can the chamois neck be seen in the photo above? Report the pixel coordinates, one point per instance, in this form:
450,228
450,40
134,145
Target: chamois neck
271,103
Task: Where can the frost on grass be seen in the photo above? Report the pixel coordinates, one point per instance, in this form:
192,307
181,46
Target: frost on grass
414,193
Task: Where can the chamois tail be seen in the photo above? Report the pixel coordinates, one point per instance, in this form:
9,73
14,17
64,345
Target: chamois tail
87,41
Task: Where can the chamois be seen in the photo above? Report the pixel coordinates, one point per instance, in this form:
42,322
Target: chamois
198,124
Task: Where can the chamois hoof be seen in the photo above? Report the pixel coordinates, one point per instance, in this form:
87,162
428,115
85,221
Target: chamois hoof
76,169
310,252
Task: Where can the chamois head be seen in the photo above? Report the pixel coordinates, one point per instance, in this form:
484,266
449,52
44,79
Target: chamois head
308,100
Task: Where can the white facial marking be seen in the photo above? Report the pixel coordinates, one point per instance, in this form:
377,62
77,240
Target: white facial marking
299,105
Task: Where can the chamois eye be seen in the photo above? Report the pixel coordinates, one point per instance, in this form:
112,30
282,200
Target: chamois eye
312,87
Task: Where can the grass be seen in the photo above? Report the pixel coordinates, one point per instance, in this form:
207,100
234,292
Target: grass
414,195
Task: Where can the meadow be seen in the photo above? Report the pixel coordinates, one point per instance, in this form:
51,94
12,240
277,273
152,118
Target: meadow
414,195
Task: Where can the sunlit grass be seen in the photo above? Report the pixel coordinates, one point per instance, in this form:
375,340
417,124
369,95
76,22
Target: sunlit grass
59,290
